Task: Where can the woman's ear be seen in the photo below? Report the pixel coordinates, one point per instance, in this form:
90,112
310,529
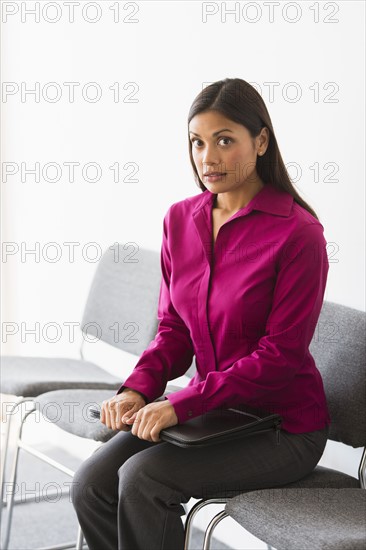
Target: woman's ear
263,140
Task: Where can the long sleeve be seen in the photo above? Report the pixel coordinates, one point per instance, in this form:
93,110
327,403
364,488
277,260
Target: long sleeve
264,375
171,352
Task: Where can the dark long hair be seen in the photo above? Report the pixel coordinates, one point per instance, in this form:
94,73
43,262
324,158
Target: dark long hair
240,102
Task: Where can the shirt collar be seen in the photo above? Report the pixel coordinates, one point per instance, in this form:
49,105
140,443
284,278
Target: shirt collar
269,199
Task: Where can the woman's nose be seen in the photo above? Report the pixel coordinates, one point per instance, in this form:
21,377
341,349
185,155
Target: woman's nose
210,157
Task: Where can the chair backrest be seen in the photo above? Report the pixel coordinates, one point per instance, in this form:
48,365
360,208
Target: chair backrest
338,348
122,304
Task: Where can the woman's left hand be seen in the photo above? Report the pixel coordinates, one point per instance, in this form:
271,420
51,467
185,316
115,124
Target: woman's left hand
148,422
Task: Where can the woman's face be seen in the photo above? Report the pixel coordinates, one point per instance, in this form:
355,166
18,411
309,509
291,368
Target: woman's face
222,146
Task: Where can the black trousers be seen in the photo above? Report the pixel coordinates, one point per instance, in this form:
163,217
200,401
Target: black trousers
128,494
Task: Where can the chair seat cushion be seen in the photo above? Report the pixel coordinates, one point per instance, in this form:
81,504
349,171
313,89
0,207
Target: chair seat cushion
325,478
31,376
68,409
306,519
320,477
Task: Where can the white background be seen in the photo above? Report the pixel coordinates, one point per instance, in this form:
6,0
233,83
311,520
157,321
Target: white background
170,52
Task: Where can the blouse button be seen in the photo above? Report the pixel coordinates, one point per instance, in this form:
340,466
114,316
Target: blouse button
190,413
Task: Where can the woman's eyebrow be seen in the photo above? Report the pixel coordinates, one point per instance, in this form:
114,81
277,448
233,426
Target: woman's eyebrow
215,133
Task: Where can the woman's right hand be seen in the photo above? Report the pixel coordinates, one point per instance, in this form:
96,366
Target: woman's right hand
113,409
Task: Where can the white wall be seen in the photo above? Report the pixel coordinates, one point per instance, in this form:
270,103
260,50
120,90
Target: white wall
169,53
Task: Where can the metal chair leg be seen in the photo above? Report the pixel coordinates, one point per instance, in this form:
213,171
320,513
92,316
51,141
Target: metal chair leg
210,529
79,539
79,543
362,470
12,482
7,422
3,464
9,417
34,496
192,513
67,545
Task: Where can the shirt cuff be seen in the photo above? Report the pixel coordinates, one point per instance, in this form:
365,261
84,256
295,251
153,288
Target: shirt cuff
187,403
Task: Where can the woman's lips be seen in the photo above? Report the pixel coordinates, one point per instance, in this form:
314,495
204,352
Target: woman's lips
214,176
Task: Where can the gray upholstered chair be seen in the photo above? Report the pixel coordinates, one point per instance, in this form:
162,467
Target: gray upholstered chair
121,310
304,519
27,377
295,516
69,411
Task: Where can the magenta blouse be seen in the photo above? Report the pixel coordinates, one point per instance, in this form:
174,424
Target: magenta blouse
246,308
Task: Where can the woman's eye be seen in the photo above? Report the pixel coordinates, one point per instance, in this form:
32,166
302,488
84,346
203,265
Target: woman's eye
221,139
197,142
194,140
225,138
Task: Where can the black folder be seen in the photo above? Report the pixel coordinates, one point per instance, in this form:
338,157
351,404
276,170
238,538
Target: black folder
220,425
217,426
